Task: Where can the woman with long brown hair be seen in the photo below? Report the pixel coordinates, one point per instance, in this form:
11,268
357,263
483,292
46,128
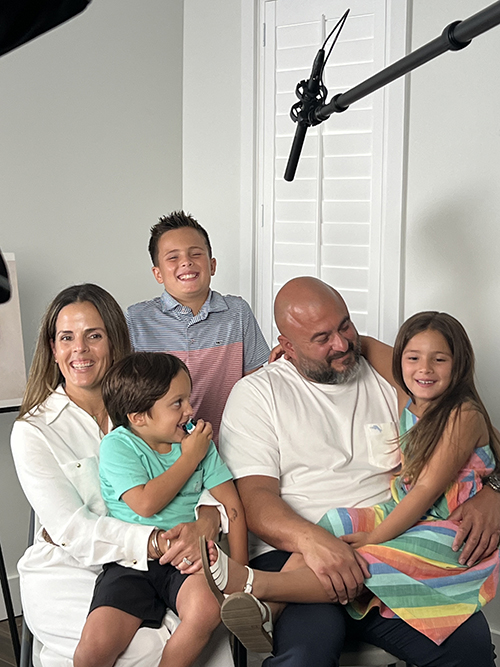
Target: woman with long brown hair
55,444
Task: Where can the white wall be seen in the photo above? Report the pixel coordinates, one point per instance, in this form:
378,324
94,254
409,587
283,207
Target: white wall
453,230
212,133
91,149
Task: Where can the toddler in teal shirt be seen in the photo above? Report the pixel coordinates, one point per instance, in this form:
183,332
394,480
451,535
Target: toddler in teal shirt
153,473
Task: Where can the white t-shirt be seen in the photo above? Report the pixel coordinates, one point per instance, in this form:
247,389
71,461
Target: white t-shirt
329,445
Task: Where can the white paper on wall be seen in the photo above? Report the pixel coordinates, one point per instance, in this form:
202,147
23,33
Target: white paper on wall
12,365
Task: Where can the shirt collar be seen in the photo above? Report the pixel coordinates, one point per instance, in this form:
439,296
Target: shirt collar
215,303
58,401
54,404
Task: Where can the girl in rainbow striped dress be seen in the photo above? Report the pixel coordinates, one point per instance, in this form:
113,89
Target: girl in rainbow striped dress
448,446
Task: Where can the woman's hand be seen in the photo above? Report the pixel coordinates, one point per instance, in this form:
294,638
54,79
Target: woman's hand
183,540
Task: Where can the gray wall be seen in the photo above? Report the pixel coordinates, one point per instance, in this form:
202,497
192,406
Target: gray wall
91,155
212,131
453,230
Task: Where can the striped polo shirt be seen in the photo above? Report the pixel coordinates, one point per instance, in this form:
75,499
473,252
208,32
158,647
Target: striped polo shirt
219,345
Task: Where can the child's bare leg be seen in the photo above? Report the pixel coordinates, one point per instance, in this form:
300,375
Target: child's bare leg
106,633
295,583
295,562
199,612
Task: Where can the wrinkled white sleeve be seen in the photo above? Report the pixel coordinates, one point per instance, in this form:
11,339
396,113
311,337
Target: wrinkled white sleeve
207,498
77,526
248,440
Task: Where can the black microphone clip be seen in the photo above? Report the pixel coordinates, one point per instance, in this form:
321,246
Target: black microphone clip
312,95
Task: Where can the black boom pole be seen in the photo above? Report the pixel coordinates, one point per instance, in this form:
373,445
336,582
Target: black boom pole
454,37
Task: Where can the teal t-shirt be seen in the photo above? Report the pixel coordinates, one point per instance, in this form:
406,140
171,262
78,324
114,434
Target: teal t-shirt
125,461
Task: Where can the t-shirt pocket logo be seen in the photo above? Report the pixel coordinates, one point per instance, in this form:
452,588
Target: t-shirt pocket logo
194,483
383,445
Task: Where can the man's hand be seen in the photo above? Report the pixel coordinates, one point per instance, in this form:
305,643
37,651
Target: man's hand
479,526
357,540
184,540
339,568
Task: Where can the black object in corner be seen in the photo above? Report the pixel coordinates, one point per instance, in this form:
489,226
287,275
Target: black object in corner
23,20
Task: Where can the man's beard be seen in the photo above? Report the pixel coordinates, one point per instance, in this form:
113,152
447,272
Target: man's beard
323,373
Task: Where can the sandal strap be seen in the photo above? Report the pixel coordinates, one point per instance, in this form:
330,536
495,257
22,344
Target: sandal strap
219,570
249,583
267,616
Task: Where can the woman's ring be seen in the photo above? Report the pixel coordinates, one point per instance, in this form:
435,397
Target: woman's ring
187,561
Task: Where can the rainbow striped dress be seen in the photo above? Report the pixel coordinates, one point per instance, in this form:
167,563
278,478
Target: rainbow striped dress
417,576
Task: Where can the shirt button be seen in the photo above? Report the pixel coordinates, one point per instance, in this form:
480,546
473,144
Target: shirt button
63,544
134,562
78,465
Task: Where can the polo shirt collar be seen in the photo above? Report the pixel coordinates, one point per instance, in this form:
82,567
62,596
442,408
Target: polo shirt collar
215,303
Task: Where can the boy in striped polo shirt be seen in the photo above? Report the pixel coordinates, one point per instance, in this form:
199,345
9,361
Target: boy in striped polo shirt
216,336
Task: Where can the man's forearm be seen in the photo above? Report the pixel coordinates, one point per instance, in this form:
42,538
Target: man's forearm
335,564
274,521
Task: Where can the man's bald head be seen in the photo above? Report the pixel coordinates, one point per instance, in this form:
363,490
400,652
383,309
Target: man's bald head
299,298
316,330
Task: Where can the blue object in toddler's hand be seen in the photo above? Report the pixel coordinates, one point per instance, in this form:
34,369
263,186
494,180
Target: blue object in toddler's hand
189,426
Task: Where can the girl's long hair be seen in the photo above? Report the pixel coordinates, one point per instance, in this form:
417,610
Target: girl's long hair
44,375
421,440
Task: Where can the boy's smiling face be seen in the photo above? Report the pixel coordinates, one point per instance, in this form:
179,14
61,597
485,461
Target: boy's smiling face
162,425
185,267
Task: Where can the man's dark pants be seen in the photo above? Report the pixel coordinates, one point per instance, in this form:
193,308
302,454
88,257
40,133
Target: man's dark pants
314,634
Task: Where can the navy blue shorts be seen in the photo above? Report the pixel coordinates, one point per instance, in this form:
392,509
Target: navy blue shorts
143,594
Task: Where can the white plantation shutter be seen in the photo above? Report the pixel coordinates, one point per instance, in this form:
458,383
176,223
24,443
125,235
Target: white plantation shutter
338,220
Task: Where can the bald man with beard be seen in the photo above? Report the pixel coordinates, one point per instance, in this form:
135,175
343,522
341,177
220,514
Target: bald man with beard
314,430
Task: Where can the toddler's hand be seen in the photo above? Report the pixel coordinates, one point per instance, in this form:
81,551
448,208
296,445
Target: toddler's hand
356,540
196,443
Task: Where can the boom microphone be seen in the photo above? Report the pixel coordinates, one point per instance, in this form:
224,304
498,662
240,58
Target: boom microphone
311,95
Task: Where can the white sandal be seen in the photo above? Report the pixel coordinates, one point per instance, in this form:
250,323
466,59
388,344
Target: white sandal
242,613
250,620
216,574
